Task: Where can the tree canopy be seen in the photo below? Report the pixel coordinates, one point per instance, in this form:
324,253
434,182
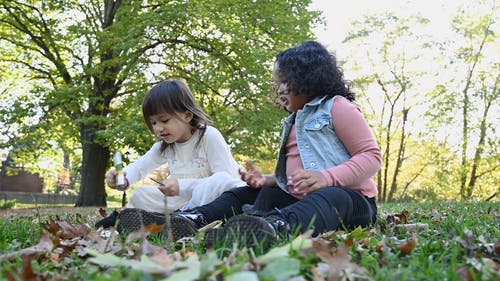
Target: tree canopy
76,72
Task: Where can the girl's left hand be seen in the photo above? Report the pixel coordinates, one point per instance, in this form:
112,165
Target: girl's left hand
170,187
304,182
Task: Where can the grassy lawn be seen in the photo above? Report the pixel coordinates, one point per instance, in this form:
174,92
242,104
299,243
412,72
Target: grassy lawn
410,241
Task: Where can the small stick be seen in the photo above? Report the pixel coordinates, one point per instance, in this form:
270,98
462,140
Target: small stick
124,199
170,237
158,182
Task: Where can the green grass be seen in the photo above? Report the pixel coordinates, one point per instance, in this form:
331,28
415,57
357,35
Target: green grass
7,204
458,237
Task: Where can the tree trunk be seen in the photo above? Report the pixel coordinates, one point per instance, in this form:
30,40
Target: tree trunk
465,129
465,141
94,159
479,147
400,157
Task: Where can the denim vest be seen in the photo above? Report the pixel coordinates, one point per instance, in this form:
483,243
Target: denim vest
318,145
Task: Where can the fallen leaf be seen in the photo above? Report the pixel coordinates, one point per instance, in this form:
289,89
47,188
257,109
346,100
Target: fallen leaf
301,242
464,273
398,218
71,231
408,247
413,227
44,246
11,272
242,276
144,264
190,269
280,269
339,262
103,212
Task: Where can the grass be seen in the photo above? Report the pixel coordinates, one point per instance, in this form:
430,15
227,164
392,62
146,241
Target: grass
7,204
456,241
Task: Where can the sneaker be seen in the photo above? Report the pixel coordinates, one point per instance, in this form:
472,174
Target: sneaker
254,231
213,237
107,221
186,224
132,219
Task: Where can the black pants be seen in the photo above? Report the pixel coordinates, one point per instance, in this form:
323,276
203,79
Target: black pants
325,209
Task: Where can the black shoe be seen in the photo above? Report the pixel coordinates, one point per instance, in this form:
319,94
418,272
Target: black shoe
132,219
107,221
213,237
186,224
254,231
280,225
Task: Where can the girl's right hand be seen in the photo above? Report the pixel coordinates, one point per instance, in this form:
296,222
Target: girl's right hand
111,179
253,177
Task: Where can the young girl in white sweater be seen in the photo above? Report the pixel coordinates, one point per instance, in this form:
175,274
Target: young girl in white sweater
199,159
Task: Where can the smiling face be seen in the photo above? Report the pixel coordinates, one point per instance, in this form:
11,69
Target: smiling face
289,99
172,127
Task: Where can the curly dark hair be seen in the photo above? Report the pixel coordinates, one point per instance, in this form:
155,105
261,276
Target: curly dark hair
310,69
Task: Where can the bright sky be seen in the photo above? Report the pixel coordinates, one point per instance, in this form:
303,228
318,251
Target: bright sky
339,14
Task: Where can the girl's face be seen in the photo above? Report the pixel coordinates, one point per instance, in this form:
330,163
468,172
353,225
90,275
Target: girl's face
288,98
172,127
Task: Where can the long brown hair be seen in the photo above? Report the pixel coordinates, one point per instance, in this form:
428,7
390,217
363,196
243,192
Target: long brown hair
173,96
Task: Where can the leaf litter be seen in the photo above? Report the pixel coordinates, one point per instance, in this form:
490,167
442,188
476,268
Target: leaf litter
330,255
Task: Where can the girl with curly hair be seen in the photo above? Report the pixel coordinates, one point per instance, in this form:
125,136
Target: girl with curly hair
327,158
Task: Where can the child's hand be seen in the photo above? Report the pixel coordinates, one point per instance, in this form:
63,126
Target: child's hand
111,179
253,177
304,182
170,187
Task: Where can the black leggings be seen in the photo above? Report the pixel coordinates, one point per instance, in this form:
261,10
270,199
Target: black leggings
325,209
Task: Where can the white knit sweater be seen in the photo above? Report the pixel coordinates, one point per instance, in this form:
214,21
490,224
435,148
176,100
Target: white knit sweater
203,170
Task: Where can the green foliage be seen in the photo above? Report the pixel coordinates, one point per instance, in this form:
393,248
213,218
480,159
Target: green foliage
85,67
391,49
435,118
18,233
7,204
464,104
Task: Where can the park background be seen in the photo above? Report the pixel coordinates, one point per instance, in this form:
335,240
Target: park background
425,73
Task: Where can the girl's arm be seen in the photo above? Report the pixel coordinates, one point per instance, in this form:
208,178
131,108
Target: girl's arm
144,164
219,154
354,132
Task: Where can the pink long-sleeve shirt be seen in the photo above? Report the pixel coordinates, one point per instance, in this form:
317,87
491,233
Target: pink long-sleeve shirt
353,130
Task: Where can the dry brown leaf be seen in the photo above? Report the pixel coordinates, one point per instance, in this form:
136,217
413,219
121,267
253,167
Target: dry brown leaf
97,242
398,218
413,227
408,247
103,212
464,273
26,274
55,257
339,262
44,246
165,259
52,227
320,271
71,231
